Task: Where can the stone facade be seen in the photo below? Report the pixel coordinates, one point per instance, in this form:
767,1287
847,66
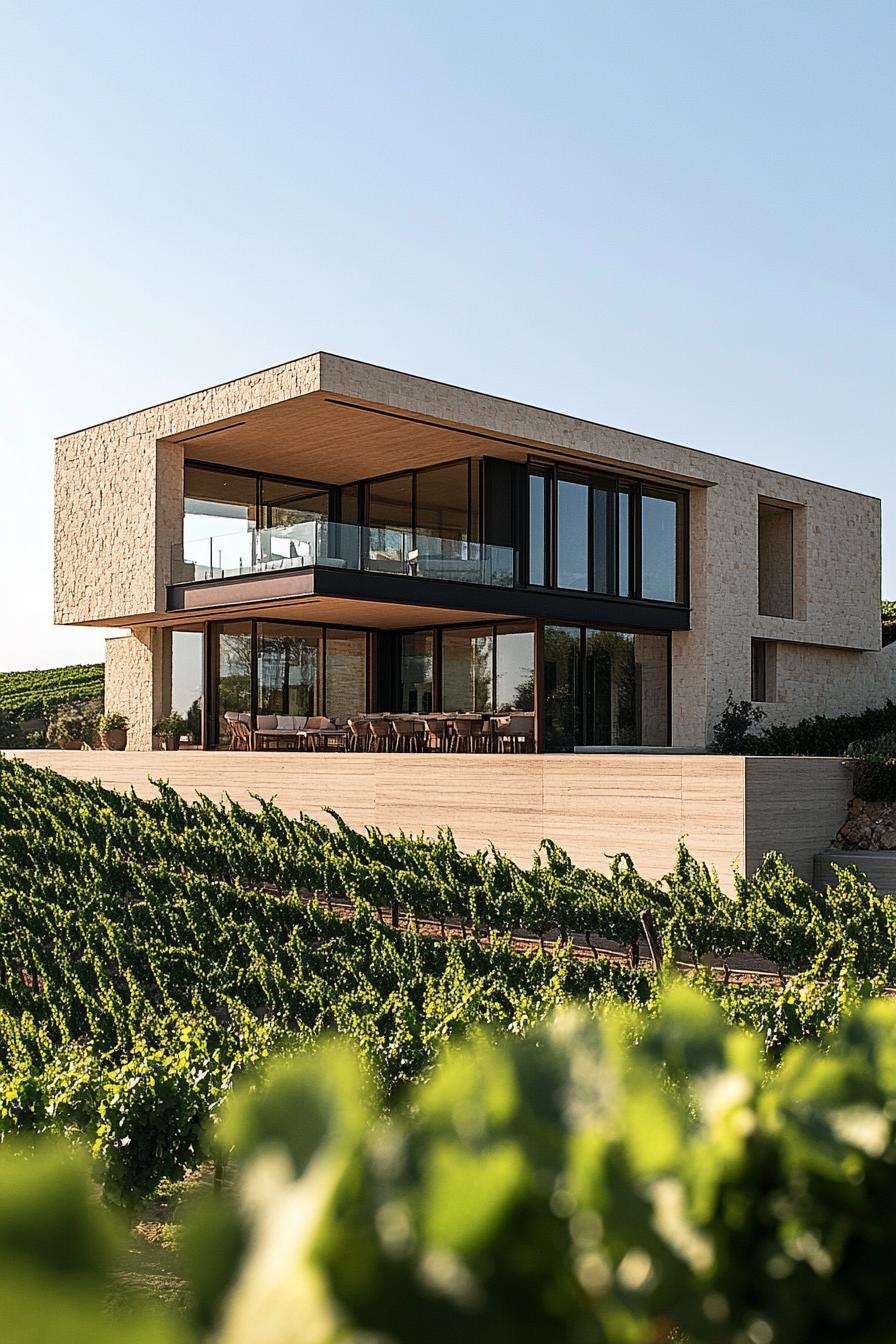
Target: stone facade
118,509
135,682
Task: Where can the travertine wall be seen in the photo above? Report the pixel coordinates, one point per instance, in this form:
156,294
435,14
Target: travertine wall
135,682
118,512
829,681
731,810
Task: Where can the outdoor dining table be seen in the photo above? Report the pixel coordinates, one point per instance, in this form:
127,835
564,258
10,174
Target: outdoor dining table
323,738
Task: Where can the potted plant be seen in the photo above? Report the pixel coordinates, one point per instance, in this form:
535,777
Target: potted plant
114,731
68,729
170,729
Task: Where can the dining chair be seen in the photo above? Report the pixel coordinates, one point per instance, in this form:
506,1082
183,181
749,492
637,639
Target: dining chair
380,735
407,733
360,734
436,737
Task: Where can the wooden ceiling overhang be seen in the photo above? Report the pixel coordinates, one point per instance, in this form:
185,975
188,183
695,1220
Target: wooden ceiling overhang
337,440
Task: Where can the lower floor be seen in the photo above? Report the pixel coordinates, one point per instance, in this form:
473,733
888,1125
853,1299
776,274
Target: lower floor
584,686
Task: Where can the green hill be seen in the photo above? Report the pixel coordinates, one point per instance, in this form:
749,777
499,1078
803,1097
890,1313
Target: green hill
36,695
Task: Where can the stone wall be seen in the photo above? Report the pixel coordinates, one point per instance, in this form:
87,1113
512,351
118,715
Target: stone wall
135,683
868,826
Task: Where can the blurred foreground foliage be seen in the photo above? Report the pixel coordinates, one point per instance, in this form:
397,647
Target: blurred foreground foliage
618,1177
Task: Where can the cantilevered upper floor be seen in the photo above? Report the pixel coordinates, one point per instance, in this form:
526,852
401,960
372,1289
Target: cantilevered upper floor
328,479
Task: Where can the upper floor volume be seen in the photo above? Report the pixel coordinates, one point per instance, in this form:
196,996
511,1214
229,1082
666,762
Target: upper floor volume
332,495
483,520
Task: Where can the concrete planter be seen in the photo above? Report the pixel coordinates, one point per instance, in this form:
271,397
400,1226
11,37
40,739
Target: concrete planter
115,739
878,865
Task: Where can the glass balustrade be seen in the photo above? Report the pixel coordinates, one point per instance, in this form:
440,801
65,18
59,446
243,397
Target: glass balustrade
382,550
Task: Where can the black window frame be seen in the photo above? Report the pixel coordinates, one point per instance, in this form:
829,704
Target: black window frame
259,477
616,486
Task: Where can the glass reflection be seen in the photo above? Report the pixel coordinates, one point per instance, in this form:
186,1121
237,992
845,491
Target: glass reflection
467,664
572,535
514,669
289,667
346,674
232,654
659,545
415,675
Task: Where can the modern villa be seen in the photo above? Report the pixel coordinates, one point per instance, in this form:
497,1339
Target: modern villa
330,538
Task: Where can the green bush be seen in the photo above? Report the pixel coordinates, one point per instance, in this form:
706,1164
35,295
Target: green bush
614,1180
874,768
816,736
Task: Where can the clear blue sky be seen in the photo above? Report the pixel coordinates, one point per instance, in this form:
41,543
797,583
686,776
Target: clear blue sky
674,217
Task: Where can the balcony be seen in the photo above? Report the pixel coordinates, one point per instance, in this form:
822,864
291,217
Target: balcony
318,543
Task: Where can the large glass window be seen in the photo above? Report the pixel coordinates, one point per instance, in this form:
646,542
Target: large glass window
219,512
605,688
289,668
390,520
562,687
346,679
659,546
415,674
443,502
538,528
514,668
611,537
187,680
572,535
624,525
467,668
287,504
611,717
603,529
231,672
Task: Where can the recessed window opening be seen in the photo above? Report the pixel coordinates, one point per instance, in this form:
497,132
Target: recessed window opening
775,560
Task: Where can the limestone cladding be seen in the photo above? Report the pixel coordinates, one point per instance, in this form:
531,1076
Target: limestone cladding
118,512
134,684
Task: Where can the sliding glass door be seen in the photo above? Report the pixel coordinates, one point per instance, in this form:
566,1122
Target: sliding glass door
605,688
289,668
282,667
231,654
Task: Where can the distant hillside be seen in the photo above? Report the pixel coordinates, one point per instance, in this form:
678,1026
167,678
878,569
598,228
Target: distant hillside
35,695
888,621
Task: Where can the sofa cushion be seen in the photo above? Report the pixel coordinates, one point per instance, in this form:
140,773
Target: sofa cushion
299,722
286,722
266,721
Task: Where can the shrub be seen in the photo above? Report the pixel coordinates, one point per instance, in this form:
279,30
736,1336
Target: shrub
816,736
874,774
731,735
888,622
171,725
113,722
74,723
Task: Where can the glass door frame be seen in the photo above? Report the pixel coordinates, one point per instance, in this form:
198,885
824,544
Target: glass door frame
582,708
210,629
616,485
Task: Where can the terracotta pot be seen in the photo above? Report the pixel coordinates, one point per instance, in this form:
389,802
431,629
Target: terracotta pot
115,739
71,744
172,743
